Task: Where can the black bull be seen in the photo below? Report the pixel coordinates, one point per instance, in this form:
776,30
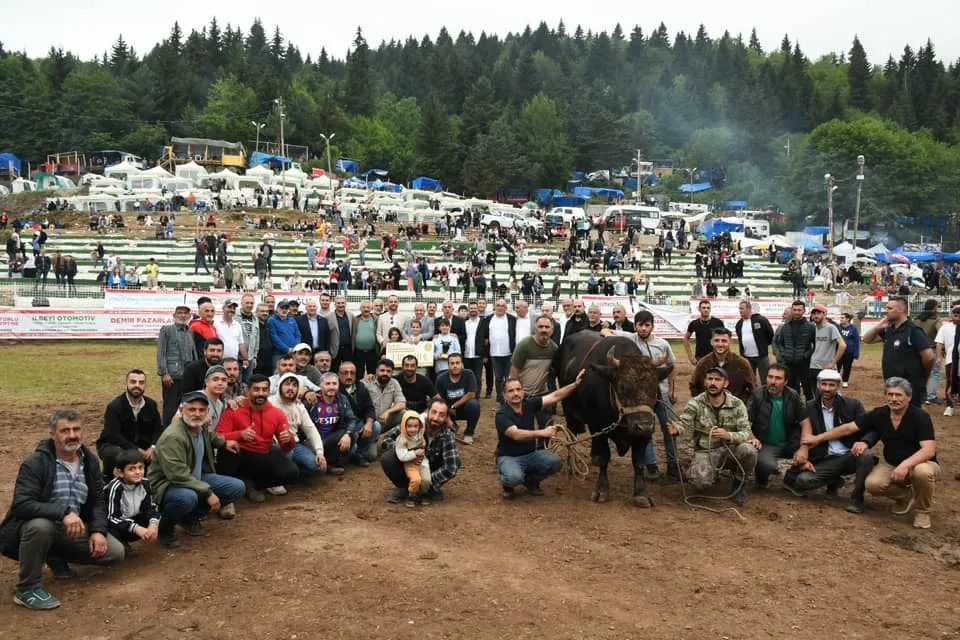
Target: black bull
617,397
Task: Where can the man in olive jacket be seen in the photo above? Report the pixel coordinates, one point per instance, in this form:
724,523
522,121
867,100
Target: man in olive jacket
58,513
182,473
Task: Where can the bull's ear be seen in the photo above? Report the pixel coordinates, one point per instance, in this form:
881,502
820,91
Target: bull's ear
606,372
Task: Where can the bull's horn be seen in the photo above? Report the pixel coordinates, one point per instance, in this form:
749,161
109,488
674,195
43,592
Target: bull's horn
612,359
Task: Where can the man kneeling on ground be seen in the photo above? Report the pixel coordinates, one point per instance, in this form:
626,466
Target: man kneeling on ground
721,436
522,456
775,411
307,453
182,473
441,454
58,514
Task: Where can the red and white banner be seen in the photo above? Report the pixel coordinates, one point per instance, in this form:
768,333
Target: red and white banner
36,324
668,322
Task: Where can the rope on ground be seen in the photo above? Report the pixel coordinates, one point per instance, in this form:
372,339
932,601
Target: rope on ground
568,446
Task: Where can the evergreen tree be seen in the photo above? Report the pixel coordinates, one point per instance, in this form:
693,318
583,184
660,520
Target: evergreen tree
359,86
859,76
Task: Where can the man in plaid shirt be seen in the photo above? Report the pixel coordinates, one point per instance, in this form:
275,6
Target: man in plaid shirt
441,453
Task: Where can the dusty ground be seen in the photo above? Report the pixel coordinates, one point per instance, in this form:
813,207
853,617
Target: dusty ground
337,561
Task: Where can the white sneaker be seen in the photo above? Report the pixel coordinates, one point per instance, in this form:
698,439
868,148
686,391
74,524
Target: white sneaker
948,411
845,385
467,439
279,490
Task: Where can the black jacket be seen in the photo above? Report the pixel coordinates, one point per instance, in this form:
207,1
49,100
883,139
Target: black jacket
760,407
795,346
122,430
114,498
627,326
457,327
360,402
194,376
845,409
483,335
31,496
323,328
762,335
265,354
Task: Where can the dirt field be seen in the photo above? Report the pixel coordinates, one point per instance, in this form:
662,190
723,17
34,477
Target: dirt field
337,561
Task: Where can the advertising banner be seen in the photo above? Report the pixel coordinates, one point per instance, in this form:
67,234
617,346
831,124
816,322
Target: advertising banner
88,324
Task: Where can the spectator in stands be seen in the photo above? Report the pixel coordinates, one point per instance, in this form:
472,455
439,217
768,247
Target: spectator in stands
175,348
195,372
131,421
284,331
183,477
58,514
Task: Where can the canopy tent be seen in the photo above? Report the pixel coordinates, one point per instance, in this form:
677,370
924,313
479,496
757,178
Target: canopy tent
598,192
260,172
736,205
546,196
426,184
229,177
46,180
750,243
258,158
9,162
696,187
391,187
812,246
816,231
569,201
878,249
190,171
353,182
712,228
321,182
158,171
375,174
122,170
346,165
780,241
531,205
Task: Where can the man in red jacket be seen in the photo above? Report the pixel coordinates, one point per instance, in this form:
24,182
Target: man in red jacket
254,425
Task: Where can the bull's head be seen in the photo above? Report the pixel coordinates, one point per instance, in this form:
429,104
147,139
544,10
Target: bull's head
634,383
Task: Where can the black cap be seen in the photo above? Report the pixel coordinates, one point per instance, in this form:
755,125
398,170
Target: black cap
283,304
719,370
194,396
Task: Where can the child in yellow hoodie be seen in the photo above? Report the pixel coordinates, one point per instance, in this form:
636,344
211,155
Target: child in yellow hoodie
411,442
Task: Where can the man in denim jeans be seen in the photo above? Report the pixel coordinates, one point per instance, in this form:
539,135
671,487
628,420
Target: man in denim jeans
521,455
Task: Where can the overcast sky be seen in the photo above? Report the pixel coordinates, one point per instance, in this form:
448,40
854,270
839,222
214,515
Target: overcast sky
821,26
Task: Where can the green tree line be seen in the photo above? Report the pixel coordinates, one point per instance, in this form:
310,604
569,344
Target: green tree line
523,110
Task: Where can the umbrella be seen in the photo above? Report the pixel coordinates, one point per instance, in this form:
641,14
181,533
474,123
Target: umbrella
896,257
531,205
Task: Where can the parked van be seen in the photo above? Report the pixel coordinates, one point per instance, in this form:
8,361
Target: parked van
630,216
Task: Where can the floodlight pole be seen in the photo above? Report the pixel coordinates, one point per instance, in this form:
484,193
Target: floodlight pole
861,161
831,186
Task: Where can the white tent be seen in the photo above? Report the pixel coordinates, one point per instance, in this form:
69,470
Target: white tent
159,171
191,171
878,248
260,171
229,177
322,182
121,171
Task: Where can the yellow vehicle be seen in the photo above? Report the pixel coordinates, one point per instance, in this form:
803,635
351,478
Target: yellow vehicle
206,153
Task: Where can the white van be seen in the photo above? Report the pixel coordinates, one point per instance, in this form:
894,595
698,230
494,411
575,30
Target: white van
625,216
568,214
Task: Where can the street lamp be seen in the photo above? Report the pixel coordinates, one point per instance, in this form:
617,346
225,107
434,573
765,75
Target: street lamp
831,184
258,125
693,172
861,161
328,140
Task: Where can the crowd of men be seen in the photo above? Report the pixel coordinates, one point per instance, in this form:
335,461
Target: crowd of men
264,397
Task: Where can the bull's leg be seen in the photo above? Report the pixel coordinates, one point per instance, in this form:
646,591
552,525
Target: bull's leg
638,450
600,453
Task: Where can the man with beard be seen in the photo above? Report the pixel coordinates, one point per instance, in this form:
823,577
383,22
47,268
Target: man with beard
265,363
196,372
775,412
457,326
754,335
577,321
255,426
387,395
391,318
703,328
794,342
175,348
721,436
251,334
341,348
288,364
366,345
906,350
739,372
230,331
418,391
58,514
182,476
303,356
235,386
819,463
620,321
440,451
322,361
532,363
472,352
458,387
307,453
215,387
594,321
338,426
829,346
203,327
131,421
362,406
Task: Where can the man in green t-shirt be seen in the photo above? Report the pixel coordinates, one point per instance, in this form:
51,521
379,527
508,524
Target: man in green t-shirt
532,363
775,412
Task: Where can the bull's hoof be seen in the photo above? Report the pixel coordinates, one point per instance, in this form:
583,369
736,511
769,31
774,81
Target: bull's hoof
599,497
643,502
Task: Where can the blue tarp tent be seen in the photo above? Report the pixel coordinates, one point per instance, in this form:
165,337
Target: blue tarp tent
426,184
736,205
546,196
569,201
811,245
816,231
697,187
354,182
258,157
346,165
375,173
598,192
8,160
712,228
376,184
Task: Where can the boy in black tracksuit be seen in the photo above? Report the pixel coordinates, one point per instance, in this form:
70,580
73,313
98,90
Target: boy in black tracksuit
131,512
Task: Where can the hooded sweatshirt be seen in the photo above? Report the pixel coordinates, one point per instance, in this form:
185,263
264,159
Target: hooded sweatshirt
406,445
297,417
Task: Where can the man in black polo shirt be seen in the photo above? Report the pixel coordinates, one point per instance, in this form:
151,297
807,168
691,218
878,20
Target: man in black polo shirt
909,469
906,350
458,387
417,389
521,456
703,328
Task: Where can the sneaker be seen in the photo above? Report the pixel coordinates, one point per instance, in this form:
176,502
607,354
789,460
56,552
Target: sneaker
948,411
788,486
278,490
255,495
740,492
845,385
855,505
436,495
467,439
423,499
903,506
533,489
193,528
921,520
410,502
397,496
508,493
361,462
37,598
335,471
168,539
228,512
61,570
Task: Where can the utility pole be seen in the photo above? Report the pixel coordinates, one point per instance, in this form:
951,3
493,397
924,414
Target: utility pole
283,150
328,139
692,173
258,125
831,187
639,179
861,161
787,147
